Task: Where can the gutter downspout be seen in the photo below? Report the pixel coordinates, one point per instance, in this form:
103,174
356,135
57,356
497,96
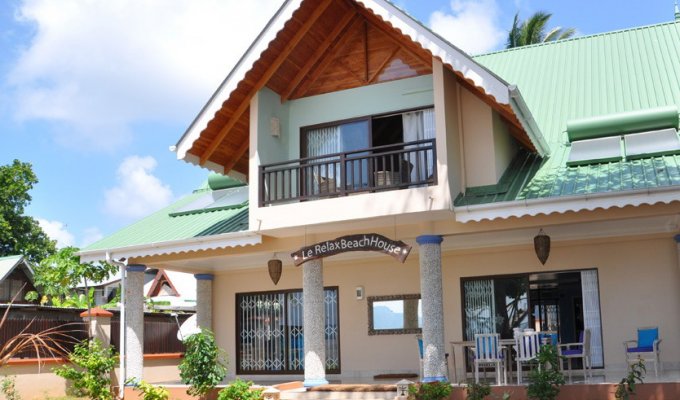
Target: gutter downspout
121,357
527,120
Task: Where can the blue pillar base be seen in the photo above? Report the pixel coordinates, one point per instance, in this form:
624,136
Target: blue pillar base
429,379
314,382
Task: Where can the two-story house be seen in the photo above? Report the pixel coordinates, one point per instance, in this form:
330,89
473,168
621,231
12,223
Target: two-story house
396,185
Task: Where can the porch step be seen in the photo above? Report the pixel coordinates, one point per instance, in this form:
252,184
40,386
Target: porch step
341,392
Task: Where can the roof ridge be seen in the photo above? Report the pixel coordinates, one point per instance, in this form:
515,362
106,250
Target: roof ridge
590,36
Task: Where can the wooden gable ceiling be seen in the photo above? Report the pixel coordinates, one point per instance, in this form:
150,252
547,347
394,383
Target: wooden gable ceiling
327,45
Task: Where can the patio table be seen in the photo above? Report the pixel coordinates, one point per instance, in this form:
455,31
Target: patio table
506,344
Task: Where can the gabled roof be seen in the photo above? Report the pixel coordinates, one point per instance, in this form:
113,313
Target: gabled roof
590,76
300,40
201,220
9,263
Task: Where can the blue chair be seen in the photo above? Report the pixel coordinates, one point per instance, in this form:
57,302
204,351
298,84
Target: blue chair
580,349
421,353
645,348
419,338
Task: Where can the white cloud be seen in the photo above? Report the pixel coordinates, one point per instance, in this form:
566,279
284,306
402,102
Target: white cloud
56,230
91,235
97,67
137,192
472,25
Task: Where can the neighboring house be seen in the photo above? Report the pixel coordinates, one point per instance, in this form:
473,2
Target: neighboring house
351,120
171,289
16,279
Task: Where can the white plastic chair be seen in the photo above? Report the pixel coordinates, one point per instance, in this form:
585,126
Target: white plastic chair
580,349
527,346
488,351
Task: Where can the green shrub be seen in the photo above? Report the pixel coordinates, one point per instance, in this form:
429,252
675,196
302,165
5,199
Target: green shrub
477,391
239,390
151,392
91,376
203,365
545,381
429,391
627,385
9,389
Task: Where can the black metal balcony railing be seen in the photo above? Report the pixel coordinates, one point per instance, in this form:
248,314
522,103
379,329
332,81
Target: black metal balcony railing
373,169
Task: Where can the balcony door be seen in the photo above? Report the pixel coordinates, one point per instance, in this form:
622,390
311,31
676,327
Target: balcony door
386,136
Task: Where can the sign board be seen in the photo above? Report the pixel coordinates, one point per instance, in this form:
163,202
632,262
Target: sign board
344,244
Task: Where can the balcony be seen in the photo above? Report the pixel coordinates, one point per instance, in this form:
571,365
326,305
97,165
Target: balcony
391,167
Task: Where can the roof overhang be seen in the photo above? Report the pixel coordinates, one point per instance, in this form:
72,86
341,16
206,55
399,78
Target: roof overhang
197,147
225,240
563,204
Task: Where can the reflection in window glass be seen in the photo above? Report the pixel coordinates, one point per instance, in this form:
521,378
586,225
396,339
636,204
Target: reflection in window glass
397,314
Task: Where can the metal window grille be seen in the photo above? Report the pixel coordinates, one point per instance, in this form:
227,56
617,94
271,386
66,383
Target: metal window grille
271,335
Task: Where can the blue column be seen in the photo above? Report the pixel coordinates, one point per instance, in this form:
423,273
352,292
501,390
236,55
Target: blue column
434,359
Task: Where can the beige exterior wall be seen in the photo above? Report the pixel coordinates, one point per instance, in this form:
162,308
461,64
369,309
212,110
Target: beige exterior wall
40,383
639,286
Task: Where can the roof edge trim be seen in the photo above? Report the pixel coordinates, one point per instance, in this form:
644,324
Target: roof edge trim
528,122
561,205
448,53
252,54
231,239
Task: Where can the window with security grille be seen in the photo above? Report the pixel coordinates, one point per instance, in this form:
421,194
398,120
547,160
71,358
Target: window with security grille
271,336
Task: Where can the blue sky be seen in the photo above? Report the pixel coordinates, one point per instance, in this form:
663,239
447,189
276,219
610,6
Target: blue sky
93,93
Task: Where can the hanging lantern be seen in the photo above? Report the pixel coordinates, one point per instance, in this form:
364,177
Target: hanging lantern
275,267
542,246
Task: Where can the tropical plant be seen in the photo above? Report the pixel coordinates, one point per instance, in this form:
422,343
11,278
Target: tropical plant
477,391
203,365
532,31
19,233
59,274
627,385
50,342
546,378
149,391
239,390
91,375
429,391
9,388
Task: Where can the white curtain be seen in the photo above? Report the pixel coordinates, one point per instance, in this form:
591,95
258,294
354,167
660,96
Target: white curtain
419,125
480,307
326,140
591,314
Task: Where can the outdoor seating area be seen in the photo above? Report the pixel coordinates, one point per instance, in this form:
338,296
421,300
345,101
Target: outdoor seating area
489,351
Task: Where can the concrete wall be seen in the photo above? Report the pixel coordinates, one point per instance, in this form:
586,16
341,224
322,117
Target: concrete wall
639,286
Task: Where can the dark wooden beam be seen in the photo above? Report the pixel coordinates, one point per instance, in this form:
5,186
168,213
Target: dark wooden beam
320,51
271,70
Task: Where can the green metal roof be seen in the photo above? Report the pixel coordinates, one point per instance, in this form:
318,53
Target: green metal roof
598,75
169,225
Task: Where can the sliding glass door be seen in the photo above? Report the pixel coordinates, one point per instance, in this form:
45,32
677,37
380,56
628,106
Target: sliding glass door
564,303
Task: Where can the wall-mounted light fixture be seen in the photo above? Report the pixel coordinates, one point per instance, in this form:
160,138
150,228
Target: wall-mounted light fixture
275,267
542,246
275,127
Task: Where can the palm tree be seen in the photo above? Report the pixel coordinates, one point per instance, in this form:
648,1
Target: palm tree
532,31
